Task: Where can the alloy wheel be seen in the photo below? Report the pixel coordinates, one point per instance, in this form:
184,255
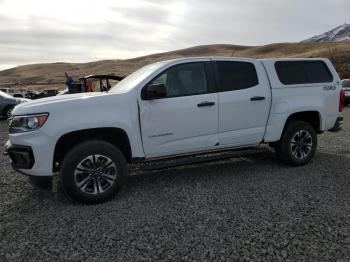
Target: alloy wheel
95,174
301,144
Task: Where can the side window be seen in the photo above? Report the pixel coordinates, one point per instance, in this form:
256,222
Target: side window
184,80
303,72
236,75
291,73
317,72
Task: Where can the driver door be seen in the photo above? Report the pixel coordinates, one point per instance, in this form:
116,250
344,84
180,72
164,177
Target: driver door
186,119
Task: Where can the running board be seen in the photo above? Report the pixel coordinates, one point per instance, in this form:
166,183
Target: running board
202,158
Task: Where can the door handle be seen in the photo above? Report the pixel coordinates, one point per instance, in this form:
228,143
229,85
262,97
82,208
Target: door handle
206,103
257,98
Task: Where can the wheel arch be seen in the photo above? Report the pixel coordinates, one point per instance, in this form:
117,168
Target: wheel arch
116,136
312,117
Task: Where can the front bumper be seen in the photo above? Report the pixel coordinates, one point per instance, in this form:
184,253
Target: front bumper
31,153
338,125
21,157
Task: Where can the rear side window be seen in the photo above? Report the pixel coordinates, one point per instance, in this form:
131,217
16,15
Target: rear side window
236,75
303,72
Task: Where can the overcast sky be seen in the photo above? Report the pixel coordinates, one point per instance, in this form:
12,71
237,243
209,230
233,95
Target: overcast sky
35,31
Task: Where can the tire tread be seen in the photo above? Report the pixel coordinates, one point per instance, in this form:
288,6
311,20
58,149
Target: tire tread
282,147
75,154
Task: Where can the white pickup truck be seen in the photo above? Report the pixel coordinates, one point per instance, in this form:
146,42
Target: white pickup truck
174,108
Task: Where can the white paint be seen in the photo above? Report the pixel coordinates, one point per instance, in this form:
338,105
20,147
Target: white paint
176,126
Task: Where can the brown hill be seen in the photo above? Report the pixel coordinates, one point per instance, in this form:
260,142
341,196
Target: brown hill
42,76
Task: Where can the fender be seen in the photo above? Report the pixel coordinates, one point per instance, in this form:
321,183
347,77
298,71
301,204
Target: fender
283,110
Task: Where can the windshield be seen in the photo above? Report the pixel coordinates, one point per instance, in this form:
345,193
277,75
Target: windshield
135,78
5,95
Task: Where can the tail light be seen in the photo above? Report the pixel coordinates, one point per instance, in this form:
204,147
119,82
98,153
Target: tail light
341,100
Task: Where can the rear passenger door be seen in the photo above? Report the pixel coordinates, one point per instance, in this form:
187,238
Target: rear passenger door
244,101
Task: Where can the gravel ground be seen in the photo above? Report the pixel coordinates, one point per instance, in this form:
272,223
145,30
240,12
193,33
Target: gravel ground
243,209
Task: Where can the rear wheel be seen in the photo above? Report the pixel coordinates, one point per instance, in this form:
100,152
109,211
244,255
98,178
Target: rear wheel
298,144
93,172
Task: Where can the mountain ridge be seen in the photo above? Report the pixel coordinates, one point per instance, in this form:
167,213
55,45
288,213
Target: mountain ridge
338,34
51,75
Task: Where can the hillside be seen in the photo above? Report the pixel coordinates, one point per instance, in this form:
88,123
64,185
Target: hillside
42,76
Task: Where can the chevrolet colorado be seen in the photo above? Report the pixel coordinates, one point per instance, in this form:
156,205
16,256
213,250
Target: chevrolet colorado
174,108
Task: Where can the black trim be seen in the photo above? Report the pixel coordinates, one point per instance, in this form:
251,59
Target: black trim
211,80
199,157
208,74
338,125
22,157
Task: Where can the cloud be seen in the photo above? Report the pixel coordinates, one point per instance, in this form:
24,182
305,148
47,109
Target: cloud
148,13
256,22
76,31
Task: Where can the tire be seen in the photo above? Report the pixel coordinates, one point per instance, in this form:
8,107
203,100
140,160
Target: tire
93,172
7,112
41,182
298,144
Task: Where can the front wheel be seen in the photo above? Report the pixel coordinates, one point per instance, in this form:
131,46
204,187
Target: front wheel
298,144
93,171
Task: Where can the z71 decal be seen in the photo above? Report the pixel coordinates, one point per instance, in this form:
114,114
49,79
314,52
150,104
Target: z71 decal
329,88
165,134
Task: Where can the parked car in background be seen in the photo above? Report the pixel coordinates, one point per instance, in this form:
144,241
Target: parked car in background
5,89
18,95
7,103
42,94
346,88
31,94
48,93
174,109
63,92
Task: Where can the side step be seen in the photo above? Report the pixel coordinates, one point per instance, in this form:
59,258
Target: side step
195,159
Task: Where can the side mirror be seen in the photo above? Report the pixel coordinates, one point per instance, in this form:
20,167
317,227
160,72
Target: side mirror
155,91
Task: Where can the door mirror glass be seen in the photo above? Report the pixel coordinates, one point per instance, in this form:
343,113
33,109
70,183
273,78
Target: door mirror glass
155,91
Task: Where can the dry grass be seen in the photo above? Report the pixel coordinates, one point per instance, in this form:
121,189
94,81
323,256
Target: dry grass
42,76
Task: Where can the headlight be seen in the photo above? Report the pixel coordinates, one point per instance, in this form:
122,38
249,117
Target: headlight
19,124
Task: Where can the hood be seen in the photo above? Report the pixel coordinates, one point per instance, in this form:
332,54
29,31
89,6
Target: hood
55,99
50,103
